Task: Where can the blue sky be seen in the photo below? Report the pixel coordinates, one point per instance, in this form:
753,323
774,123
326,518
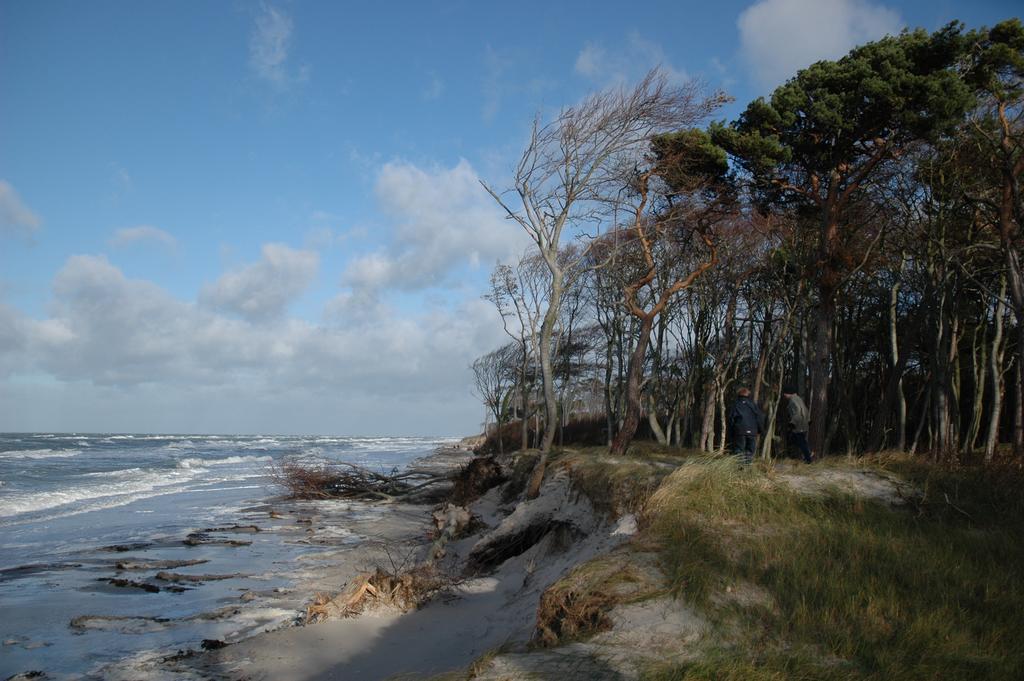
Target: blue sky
266,217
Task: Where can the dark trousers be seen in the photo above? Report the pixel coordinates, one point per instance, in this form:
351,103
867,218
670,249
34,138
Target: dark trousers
799,441
744,445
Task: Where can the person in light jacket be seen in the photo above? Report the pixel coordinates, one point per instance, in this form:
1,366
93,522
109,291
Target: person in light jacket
746,422
797,422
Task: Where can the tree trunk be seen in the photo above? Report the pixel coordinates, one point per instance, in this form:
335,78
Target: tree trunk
548,376
652,421
820,355
763,356
707,426
893,396
634,378
979,374
524,414
609,411
995,369
894,348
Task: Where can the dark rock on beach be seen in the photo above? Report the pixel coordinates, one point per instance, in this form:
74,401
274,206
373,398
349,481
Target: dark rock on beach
156,564
26,570
125,625
204,539
131,584
178,577
122,548
234,528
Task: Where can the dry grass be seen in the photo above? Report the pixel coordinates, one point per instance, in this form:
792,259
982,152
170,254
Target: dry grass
859,590
614,487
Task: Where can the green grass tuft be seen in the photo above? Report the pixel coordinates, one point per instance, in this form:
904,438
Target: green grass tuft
859,590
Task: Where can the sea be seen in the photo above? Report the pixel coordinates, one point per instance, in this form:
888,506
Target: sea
74,507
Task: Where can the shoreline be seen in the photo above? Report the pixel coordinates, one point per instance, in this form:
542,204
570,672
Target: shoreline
205,583
356,536
496,576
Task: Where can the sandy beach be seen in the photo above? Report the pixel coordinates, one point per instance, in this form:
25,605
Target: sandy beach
177,572
493,581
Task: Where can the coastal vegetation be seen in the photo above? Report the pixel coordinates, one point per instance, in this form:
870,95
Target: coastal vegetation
856,233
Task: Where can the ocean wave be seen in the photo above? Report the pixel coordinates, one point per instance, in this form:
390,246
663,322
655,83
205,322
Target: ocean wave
122,473
180,444
124,490
39,453
192,463
261,443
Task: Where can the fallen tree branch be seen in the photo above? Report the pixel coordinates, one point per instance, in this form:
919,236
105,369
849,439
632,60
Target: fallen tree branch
323,479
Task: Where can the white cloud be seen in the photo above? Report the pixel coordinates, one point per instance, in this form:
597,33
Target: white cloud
263,290
269,46
443,220
779,37
16,219
157,357
142,233
626,62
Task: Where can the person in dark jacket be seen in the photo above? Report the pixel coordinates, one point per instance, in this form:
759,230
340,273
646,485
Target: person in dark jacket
746,422
797,422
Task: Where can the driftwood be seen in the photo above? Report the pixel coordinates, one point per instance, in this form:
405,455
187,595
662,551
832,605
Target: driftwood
322,479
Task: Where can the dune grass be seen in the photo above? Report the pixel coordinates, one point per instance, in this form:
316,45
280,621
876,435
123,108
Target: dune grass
858,589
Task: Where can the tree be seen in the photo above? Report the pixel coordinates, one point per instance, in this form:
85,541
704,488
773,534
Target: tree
569,172
519,293
996,71
674,204
495,376
825,137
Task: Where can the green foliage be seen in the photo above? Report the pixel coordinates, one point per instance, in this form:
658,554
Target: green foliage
859,590
823,125
688,160
997,61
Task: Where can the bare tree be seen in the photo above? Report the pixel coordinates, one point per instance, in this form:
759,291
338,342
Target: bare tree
519,293
570,170
495,375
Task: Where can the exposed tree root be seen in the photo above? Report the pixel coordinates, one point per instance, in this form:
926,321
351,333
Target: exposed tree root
475,478
578,605
404,592
568,614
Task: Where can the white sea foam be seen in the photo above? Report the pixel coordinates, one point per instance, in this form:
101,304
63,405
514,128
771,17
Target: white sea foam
180,444
39,453
230,460
123,473
262,443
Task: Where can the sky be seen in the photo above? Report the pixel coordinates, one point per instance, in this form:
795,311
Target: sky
267,217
